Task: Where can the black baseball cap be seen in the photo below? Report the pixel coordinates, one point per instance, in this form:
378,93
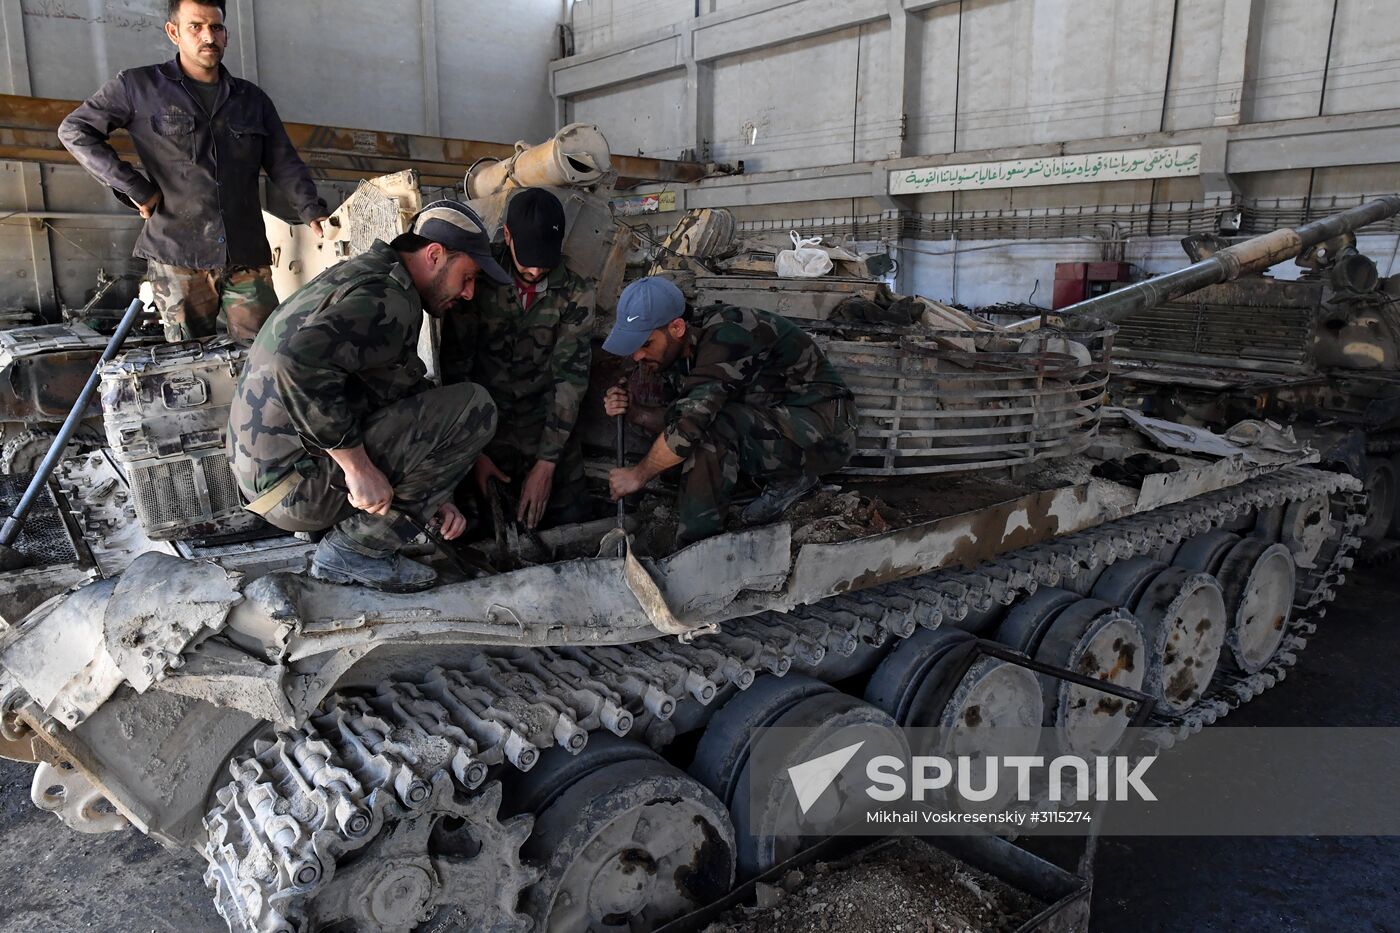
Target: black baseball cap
460,229
535,219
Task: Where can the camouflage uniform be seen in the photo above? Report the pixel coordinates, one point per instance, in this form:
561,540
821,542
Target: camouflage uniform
755,396
337,367
535,365
191,300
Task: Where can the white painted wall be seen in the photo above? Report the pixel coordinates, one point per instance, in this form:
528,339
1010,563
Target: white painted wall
643,117
1001,73
993,271
600,23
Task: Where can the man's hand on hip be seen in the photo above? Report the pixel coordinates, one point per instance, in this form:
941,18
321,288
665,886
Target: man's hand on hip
534,497
148,209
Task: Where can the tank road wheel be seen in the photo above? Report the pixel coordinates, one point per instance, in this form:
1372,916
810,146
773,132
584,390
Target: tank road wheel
996,709
451,865
1028,621
1205,552
1307,525
912,683
1381,489
625,840
1183,619
1124,583
830,720
1258,580
1097,640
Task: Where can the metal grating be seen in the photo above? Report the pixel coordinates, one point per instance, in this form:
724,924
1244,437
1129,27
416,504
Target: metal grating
987,401
45,537
165,494
223,488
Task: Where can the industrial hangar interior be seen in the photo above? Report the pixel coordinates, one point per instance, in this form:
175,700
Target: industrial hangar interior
698,465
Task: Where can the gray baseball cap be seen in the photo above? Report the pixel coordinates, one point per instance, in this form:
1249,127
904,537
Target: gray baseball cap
645,305
460,229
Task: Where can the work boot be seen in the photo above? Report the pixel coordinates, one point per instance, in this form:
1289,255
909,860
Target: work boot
337,560
777,498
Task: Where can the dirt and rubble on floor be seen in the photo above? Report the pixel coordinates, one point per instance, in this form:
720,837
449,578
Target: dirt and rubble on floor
835,515
904,887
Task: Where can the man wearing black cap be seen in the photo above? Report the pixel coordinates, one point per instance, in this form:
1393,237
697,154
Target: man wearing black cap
333,422
527,342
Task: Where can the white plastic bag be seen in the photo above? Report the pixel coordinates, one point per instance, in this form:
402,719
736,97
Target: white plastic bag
806,259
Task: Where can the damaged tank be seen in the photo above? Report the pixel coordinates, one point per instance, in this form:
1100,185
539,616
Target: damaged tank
1319,354
564,746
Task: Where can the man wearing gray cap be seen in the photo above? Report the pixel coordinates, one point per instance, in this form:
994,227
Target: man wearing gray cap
334,423
754,395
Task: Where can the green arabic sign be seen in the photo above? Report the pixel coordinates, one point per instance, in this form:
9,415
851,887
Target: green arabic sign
1127,165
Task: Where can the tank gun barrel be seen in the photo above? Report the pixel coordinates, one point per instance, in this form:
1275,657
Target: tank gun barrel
1253,255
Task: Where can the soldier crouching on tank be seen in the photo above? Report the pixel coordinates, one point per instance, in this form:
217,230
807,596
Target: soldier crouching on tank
528,343
333,422
755,396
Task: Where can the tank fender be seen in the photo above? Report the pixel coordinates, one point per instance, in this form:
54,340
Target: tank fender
72,653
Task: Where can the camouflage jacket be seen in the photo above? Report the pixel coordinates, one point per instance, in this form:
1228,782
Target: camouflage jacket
749,357
534,363
344,345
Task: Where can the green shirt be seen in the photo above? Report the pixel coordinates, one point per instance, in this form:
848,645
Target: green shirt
534,362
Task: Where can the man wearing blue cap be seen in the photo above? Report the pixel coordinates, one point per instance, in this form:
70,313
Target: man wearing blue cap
334,425
755,395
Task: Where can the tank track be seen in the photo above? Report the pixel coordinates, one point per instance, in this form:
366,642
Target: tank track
310,798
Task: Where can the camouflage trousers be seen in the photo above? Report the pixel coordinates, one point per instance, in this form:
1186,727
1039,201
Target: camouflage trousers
568,498
765,444
424,444
191,300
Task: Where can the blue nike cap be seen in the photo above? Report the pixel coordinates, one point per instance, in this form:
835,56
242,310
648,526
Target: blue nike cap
646,305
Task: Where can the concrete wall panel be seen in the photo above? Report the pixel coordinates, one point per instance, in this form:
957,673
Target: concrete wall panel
1286,68
877,107
600,23
989,271
788,106
644,116
107,37
1052,70
1364,73
364,70
1193,87
934,96
492,80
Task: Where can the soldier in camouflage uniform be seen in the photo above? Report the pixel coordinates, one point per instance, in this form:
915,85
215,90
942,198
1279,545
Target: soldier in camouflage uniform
527,342
333,422
755,396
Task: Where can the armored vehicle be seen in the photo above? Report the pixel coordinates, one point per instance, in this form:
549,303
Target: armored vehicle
565,745
1319,354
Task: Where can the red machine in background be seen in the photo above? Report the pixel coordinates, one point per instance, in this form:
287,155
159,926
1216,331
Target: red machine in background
1078,281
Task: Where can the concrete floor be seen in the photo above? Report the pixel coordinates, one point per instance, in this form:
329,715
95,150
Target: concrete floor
55,880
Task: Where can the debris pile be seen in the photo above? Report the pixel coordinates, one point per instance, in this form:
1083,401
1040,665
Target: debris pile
832,516
907,886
